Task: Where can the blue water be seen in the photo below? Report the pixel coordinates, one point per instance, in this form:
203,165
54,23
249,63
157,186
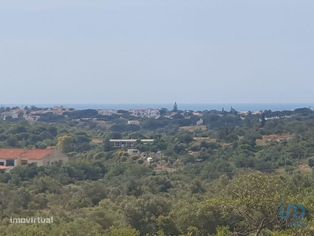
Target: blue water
194,107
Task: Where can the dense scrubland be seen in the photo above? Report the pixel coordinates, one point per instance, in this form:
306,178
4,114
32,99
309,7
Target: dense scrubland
230,175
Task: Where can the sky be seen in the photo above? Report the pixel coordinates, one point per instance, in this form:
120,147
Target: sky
156,51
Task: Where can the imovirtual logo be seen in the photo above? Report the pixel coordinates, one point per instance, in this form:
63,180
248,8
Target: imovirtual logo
294,215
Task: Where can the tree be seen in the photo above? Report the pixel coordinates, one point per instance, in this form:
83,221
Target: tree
125,231
256,200
223,231
12,141
167,225
142,213
65,143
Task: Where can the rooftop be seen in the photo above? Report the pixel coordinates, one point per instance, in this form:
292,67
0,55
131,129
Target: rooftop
131,140
123,140
34,154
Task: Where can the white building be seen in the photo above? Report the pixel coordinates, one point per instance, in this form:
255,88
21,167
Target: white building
133,122
129,143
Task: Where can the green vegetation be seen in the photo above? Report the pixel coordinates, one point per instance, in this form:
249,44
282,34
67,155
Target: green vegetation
227,176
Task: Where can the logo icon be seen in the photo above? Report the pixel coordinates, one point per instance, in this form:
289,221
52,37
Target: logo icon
294,215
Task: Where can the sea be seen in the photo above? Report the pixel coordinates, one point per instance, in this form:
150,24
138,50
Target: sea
241,107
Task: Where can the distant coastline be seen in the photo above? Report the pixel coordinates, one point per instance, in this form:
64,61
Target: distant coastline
242,107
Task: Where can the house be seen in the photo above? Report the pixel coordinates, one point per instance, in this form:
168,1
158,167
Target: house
149,160
200,122
133,152
128,143
121,143
13,114
10,158
133,122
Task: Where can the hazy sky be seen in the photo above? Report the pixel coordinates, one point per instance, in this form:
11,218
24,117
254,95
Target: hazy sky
156,51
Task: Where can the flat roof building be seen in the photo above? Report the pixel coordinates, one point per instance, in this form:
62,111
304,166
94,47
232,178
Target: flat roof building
128,143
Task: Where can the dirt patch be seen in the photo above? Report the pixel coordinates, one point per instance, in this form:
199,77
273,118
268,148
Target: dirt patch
304,168
273,138
163,168
193,128
205,139
97,141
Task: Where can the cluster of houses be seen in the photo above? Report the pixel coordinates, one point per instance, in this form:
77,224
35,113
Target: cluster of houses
29,114
35,114
130,145
11,158
145,113
139,113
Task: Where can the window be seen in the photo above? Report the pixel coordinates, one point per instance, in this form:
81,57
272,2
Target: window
10,163
24,162
1,163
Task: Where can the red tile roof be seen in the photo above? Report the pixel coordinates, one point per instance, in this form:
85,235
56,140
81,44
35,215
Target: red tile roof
34,154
